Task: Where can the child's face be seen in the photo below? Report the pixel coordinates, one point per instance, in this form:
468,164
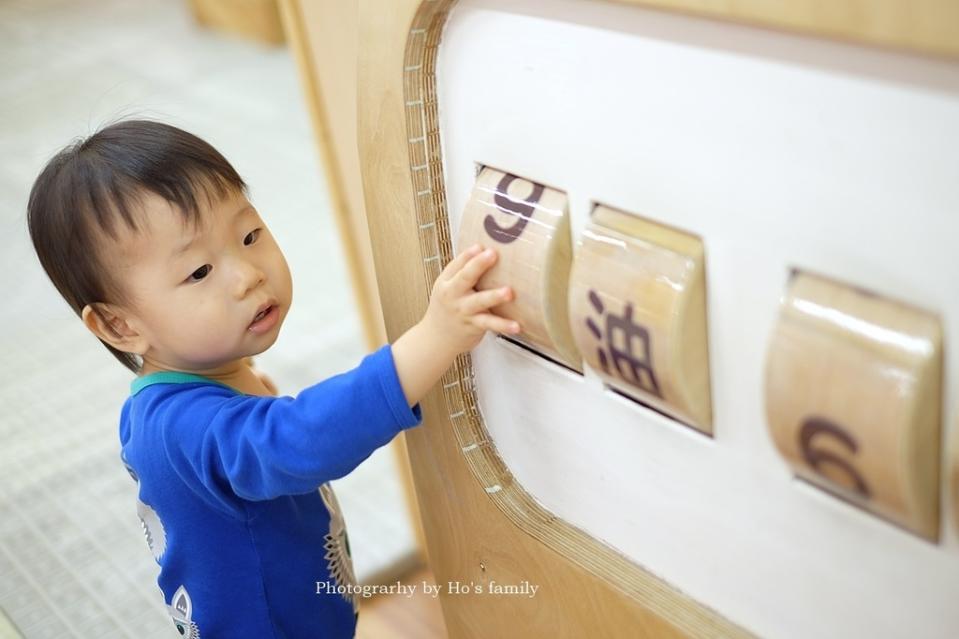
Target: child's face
194,308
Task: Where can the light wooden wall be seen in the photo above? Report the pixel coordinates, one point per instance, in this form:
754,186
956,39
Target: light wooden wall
925,26
322,36
474,535
254,19
480,523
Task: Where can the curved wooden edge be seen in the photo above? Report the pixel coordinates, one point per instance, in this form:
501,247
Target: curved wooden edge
340,162
462,407
413,215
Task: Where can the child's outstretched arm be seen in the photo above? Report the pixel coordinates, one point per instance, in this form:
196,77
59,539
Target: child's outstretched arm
229,444
455,321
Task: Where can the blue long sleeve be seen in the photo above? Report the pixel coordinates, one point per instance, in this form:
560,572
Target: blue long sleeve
260,448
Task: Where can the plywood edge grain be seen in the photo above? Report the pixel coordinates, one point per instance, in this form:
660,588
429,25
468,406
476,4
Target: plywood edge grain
341,168
457,471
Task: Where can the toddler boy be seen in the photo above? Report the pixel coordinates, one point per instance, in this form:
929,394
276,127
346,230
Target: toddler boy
147,232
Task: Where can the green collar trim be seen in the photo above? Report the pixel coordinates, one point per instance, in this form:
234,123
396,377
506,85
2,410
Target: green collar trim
172,377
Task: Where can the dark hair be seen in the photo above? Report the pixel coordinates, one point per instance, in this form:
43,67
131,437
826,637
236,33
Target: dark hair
82,192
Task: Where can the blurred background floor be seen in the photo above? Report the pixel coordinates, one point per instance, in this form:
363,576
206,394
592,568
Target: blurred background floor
73,561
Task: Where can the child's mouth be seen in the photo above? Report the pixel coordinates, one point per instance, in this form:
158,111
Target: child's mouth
264,320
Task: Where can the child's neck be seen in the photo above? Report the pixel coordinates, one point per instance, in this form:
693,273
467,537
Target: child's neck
238,375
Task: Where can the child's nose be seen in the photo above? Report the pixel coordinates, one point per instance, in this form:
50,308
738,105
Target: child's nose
248,276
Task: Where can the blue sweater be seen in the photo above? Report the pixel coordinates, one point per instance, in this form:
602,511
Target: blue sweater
234,501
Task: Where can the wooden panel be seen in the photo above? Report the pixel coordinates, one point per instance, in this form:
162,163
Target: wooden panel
926,26
254,19
481,526
779,152
400,615
323,39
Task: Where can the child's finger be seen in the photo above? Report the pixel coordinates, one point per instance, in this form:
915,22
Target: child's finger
457,262
478,302
497,324
474,269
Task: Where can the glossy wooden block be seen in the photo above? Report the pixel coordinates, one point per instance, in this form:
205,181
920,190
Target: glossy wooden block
853,392
638,312
528,224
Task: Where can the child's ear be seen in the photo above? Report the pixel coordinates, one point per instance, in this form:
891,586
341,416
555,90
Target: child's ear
111,324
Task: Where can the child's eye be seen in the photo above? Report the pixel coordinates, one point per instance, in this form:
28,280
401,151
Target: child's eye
252,234
200,273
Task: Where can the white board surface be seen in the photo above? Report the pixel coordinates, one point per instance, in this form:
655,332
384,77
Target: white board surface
779,151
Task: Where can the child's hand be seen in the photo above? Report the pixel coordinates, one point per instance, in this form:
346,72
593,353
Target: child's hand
460,314
455,321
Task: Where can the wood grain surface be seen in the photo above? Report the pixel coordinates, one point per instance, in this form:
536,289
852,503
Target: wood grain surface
638,312
528,225
853,395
